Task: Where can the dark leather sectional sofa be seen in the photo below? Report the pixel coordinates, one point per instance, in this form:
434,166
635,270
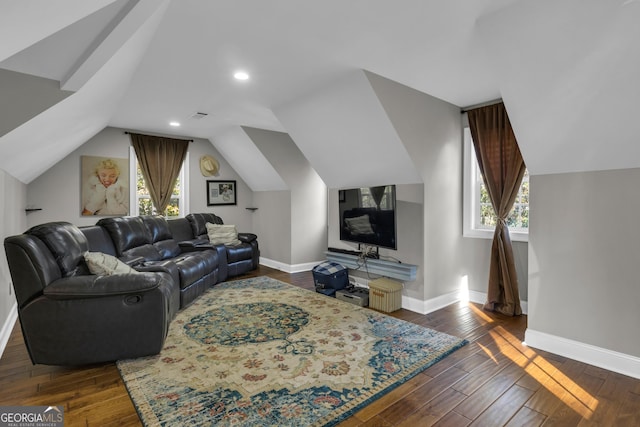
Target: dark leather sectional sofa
72,317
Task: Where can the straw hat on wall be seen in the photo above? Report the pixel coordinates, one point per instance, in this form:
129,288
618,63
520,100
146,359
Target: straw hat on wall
209,166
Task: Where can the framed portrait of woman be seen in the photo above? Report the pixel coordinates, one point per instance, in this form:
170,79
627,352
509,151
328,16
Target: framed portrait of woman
104,186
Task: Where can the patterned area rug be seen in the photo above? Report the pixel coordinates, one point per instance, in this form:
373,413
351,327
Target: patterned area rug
259,352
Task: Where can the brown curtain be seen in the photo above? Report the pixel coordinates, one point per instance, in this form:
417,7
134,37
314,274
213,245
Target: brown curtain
160,160
377,193
502,169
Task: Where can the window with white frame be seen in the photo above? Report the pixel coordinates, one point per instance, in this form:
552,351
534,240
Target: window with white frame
141,200
479,217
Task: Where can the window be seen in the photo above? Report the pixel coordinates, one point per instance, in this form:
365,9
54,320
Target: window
479,216
367,200
141,201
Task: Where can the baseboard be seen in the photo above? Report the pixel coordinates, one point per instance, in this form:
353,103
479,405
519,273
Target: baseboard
430,305
307,266
408,303
481,298
477,297
434,304
288,268
413,304
601,357
7,328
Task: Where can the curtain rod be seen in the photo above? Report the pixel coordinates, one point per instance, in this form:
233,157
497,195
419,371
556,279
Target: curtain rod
482,104
190,140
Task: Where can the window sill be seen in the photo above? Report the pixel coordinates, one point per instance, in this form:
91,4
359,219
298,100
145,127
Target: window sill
516,236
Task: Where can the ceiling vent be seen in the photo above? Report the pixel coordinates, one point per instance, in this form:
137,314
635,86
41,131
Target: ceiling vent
199,116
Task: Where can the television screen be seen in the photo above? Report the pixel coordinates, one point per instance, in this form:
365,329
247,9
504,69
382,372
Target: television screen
368,216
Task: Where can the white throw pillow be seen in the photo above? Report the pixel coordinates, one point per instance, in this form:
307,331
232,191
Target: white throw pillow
359,225
222,234
105,264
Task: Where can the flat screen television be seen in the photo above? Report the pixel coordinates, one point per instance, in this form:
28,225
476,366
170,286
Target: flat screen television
368,216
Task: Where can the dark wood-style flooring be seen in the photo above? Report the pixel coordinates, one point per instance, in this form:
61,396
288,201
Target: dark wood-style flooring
492,381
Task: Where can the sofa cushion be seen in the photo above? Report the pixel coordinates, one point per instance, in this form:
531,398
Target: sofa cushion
66,243
98,239
161,236
131,238
220,234
199,223
168,248
126,232
180,229
191,270
103,264
195,265
158,227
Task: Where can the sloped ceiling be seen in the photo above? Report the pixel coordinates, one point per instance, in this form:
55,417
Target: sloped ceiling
38,144
247,160
345,133
565,69
568,76
30,96
24,23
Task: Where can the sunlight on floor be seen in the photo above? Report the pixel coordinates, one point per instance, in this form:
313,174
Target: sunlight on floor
550,377
543,372
481,314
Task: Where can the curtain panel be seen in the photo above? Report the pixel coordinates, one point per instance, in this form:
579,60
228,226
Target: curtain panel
160,160
502,169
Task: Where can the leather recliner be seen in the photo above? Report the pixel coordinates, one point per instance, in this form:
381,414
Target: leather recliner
149,238
241,258
72,317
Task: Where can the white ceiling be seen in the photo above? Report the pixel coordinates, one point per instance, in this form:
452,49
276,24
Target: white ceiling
565,68
291,47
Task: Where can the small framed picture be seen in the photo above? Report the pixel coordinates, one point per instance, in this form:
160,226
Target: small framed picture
221,193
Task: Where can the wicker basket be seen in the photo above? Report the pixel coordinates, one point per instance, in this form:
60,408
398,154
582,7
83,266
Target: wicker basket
385,295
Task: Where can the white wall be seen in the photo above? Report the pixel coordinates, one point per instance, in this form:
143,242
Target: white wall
430,214
235,214
430,129
13,220
476,253
308,202
272,224
584,250
57,191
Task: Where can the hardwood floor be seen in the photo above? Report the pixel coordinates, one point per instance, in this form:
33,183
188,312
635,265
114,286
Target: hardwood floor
492,381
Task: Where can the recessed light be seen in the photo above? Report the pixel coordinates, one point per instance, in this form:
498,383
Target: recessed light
174,124
241,75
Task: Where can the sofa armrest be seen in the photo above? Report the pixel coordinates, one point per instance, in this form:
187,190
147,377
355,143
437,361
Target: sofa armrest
90,286
247,237
194,245
131,260
165,266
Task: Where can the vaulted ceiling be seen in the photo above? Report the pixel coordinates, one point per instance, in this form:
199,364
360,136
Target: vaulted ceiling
565,69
